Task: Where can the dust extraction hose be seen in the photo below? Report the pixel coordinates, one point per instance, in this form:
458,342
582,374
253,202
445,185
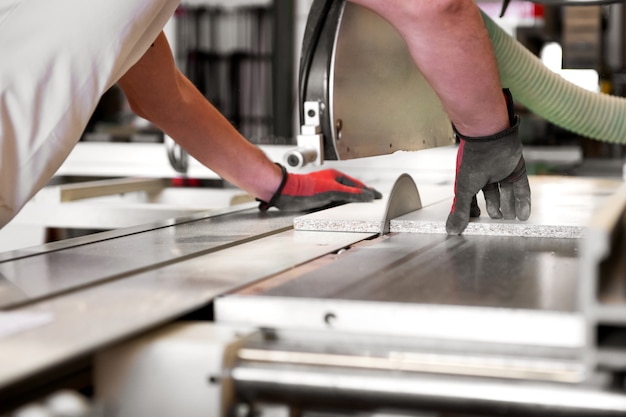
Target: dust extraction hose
547,94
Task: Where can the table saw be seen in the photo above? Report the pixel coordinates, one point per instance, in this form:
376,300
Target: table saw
204,315
361,309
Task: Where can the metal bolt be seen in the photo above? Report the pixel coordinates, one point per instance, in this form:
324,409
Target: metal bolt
330,318
339,129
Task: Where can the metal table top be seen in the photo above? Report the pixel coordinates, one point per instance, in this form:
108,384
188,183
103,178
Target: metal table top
87,262
166,273
478,290
532,273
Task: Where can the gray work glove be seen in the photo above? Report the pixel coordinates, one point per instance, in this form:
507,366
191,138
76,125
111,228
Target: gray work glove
303,192
495,165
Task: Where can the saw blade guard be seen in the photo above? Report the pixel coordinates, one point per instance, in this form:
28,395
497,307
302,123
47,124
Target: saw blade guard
371,98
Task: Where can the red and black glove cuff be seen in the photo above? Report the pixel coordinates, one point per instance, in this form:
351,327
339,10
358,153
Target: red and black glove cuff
263,205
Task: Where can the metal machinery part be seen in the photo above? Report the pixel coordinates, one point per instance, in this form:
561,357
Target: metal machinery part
505,3
471,325
310,148
345,48
403,198
176,155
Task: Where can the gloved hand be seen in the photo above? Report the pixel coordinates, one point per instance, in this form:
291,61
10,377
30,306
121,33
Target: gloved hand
301,192
494,164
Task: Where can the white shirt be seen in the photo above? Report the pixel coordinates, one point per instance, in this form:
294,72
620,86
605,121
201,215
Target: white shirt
57,58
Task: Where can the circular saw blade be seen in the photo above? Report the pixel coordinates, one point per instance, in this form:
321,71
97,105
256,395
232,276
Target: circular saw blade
403,198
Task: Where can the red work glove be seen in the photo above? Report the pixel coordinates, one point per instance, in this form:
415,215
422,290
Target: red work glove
301,192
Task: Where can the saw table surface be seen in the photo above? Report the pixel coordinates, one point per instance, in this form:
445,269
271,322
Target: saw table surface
532,273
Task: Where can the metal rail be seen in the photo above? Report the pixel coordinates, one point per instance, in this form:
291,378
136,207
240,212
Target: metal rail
357,389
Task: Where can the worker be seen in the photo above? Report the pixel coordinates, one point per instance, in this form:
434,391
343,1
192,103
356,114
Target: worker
58,58
450,45
53,74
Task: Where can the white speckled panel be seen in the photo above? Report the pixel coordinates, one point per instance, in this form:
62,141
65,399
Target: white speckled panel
364,217
561,208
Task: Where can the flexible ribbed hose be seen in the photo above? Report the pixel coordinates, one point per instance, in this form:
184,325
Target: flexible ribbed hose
547,94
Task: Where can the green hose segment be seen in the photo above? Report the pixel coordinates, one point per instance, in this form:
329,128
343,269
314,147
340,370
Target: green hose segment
594,115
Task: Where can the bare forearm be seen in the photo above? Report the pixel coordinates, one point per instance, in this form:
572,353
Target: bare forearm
159,92
209,137
449,43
